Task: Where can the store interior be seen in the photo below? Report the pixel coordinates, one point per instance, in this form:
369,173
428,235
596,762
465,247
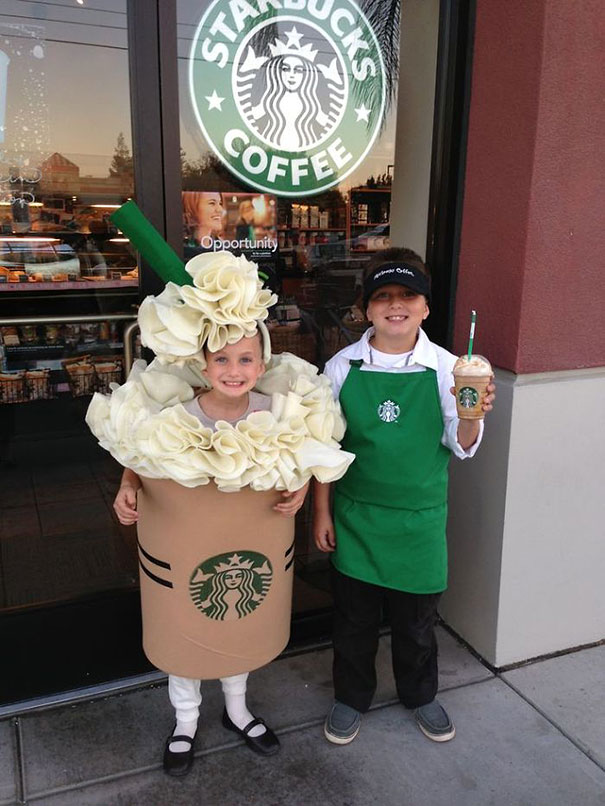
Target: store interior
70,279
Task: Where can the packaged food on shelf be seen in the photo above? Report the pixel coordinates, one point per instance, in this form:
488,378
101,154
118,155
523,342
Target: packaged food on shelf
71,334
89,332
29,334
12,387
304,216
52,334
107,371
80,375
104,331
37,383
86,374
10,336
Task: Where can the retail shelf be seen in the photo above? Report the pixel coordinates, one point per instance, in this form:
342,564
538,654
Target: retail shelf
91,285
52,350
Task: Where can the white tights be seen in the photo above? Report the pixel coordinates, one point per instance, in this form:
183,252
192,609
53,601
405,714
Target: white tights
186,697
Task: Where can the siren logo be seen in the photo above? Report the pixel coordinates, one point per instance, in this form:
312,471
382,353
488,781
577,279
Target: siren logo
230,586
468,397
389,411
289,94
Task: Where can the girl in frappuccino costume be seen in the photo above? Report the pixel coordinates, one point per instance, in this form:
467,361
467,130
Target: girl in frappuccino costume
215,412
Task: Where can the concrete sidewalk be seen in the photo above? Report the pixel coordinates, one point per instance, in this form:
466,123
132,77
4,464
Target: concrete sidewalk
530,737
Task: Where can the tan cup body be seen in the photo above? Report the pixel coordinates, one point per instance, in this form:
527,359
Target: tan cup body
195,542
477,383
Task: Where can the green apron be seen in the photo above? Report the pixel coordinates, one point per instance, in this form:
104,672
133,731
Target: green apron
390,508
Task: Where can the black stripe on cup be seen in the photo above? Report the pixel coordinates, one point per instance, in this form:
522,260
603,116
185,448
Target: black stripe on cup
291,560
153,560
159,580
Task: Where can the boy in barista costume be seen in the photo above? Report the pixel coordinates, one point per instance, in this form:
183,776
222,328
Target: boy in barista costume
387,537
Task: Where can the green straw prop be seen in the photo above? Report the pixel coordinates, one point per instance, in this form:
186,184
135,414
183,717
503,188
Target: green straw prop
471,337
153,248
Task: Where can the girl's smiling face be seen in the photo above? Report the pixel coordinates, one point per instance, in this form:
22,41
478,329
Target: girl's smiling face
396,313
234,370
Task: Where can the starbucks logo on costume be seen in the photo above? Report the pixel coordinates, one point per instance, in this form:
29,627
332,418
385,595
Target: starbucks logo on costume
230,586
389,411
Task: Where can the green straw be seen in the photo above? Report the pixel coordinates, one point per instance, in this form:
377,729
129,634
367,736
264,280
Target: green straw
152,247
472,334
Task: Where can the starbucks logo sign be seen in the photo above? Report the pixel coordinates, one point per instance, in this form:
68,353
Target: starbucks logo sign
289,94
230,586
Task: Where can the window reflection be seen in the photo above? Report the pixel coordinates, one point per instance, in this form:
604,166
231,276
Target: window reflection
65,163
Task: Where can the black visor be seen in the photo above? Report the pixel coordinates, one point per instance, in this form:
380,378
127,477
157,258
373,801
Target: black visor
399,273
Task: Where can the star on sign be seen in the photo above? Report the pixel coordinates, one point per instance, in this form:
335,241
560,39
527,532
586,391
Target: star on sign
293,38
362,113
214,101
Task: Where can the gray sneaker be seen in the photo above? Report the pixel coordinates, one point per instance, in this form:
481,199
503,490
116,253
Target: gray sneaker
342,724
434,722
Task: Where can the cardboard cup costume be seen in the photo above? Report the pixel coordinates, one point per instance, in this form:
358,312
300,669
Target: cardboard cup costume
216,595
216,561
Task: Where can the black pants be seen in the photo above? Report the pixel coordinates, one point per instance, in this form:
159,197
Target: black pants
358,614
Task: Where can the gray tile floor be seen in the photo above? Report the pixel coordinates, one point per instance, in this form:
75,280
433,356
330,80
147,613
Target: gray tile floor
532,737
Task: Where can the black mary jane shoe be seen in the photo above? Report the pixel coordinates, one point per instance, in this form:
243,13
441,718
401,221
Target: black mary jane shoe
178,764
267,744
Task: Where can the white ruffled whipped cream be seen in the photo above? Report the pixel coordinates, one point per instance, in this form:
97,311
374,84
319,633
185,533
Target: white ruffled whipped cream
144,427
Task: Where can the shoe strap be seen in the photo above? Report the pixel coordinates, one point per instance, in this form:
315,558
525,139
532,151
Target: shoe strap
189,739
253,724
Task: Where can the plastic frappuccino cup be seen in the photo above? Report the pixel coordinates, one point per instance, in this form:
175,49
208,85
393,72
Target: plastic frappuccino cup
471,378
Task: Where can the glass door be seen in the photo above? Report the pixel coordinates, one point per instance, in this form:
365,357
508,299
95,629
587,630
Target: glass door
68,293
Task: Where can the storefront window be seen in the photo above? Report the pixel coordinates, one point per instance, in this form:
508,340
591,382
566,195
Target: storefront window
287,153
68,286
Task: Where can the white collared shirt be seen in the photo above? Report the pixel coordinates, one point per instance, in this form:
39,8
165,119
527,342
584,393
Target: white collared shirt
424,355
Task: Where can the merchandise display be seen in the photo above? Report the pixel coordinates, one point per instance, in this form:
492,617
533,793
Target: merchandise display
43,362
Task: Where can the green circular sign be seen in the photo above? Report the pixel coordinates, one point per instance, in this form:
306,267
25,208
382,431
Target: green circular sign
232,585
289,94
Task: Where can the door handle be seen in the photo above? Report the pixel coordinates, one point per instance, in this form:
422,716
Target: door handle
129,336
